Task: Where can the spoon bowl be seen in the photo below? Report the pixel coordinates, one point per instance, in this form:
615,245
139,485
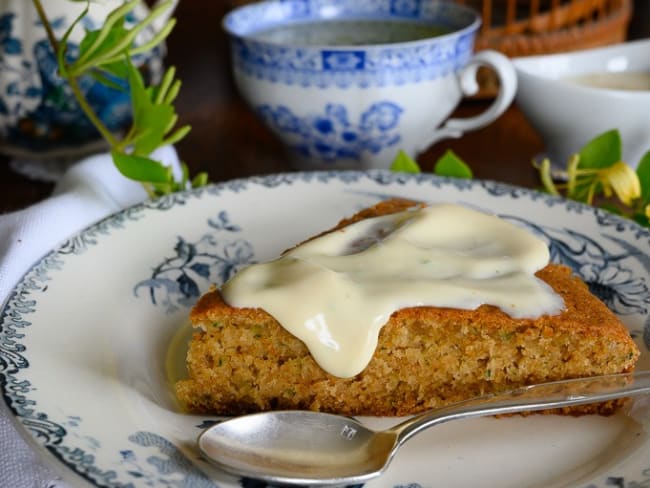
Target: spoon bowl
298,447
319,449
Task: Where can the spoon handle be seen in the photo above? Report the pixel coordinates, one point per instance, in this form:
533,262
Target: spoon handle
543,396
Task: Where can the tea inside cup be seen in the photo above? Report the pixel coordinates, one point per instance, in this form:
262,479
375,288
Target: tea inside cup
347,84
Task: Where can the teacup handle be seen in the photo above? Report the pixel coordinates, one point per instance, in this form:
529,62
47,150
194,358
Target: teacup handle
455,127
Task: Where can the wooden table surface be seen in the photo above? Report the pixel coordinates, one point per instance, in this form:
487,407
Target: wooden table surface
228,141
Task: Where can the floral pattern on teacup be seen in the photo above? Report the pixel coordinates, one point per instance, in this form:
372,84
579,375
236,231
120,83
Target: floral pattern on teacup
331,135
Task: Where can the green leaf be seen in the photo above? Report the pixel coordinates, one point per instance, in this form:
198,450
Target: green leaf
139,94
404,163
106,80
173,92
151,120
450,164
63,42
602,151
177,135
201,179
86,43
97,44
153,123
643,172
161,90
119,69
142,169
125,44
113,38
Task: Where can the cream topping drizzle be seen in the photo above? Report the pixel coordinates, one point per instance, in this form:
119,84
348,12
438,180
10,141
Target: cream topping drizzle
335,292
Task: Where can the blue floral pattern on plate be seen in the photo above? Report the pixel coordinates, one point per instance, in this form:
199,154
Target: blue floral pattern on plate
78,345
175,283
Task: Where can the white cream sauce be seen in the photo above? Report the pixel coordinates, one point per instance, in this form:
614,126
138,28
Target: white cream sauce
335,292
614,81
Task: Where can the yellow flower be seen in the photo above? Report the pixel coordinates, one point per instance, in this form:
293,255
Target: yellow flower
647,211
622,180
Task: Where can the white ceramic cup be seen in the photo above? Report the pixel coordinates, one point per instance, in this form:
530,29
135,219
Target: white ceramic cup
39,116
568,114
354,106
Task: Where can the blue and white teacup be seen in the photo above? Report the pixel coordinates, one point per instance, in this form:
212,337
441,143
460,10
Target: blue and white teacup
346,84
39,116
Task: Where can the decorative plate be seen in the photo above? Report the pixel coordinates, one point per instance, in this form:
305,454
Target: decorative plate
92,336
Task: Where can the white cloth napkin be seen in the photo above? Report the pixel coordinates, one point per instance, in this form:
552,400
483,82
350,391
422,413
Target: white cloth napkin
88,191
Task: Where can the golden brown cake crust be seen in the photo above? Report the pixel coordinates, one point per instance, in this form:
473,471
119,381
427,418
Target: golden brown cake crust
242,360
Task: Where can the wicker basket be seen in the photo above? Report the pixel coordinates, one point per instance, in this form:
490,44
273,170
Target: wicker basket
527,27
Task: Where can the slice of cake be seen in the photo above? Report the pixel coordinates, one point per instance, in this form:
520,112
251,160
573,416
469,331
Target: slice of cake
241,359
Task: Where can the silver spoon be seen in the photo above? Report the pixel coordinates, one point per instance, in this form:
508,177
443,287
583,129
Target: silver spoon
312,448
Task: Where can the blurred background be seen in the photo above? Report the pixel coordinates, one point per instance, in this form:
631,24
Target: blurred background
228,141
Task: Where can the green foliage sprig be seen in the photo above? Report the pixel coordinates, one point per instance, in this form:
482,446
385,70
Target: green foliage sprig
595,175
449,164
107,55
